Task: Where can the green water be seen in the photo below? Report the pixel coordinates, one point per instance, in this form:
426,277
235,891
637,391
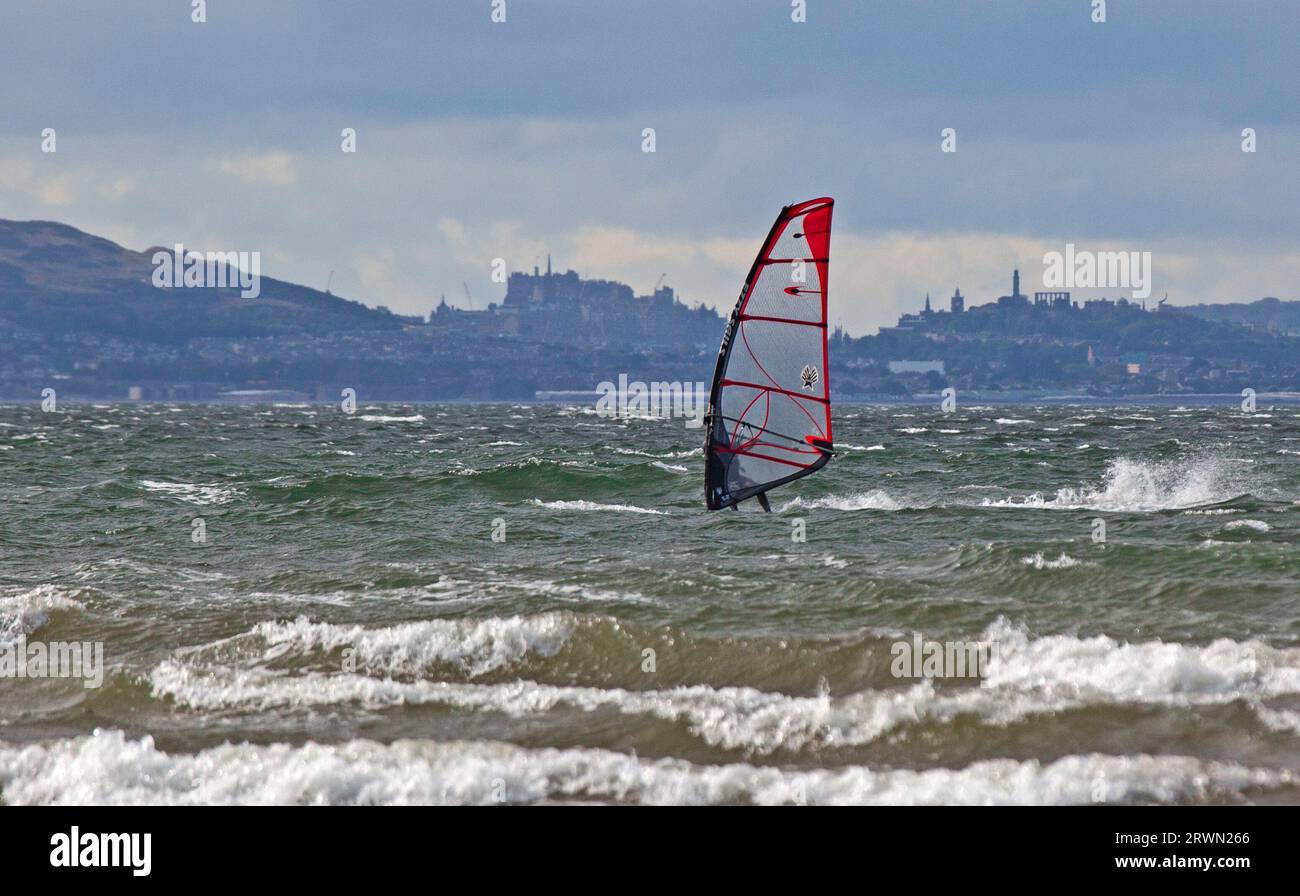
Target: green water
348,629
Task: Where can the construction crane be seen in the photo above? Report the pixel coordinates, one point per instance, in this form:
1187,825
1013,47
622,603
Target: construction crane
660,282
468,297
329,283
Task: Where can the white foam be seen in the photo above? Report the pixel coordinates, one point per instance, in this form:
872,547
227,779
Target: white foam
1028,676
592,505
671,468
572,591
24,611
690,452
1038,561
1279,719
737,718
475,645
1256,525
1144,486
110,769
381,418
192,493
872,500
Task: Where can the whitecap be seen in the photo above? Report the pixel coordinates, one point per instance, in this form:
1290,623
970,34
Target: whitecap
872,500
1038,561
110,769
593,506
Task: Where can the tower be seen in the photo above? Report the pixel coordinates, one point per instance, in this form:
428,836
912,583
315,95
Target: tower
1015,282
927,305
957,302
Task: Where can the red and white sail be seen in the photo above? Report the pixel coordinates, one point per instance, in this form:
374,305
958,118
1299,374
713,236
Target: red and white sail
769,413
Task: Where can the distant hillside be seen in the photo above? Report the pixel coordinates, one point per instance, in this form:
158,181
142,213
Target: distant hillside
55,279
989,331
1266,314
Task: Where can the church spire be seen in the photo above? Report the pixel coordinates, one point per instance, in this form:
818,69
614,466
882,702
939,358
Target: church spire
548,264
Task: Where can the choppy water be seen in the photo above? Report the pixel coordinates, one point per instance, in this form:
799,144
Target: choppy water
350,632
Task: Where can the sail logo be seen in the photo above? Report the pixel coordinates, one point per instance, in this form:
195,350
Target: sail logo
55,659
809,376
180,269
77,850
1085,269
634,398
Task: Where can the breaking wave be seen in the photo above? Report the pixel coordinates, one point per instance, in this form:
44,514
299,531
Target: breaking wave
192,493
24,612
475,646
1027,676
872,500
1038,561
109,768
1145,486
592,505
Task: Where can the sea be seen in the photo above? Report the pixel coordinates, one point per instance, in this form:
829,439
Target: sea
529,604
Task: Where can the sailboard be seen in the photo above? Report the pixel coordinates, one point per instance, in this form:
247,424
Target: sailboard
769,416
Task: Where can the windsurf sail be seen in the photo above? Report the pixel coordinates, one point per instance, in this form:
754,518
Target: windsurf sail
769,414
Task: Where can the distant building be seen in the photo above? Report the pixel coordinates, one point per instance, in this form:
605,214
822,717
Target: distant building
1016,299
957,303
1052,299
550,307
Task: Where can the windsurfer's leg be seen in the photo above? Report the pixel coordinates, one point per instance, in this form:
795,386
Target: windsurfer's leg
762,502
736,507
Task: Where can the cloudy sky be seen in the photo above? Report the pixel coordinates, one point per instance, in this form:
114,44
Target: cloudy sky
478,140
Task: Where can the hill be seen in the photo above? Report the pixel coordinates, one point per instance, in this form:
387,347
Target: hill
1270,314
55,279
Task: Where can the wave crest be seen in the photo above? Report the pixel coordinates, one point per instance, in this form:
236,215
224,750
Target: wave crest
1136,486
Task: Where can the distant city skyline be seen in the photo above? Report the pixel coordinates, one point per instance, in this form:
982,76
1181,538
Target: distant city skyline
477,141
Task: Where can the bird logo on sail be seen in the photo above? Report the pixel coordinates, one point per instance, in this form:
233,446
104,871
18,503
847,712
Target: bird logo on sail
809,376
